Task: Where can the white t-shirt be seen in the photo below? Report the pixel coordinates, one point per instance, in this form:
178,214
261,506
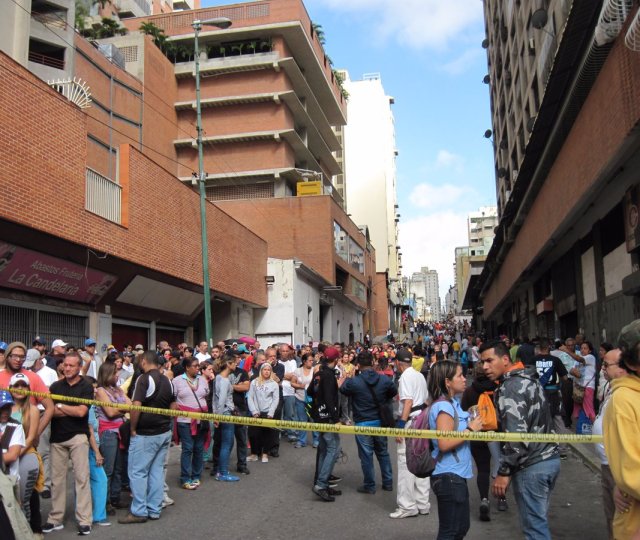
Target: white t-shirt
289,367
17,439
48,375
588,379
412,386
202,356
299,373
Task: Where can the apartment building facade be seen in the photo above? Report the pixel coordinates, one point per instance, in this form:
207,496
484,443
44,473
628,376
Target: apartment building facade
565,114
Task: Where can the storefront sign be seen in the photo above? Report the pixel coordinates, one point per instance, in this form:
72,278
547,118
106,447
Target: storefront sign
308,188
36,273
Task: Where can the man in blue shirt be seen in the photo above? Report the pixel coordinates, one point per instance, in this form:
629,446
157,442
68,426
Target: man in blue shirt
366,412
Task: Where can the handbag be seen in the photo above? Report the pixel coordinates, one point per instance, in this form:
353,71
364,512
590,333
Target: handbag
386,414
578,391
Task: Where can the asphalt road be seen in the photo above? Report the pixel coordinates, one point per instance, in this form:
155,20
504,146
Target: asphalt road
275,502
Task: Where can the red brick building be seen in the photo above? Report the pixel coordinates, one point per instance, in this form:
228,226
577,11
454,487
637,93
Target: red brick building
565,256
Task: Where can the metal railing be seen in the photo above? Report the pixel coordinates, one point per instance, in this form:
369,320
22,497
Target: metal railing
46,60
53,19
103,196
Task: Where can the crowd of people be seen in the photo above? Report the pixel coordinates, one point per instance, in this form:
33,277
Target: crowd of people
461,381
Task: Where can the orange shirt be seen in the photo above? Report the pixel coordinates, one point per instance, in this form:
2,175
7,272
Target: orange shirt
35,382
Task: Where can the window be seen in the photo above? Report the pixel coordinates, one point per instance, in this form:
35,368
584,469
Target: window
341,242
356,256
358,289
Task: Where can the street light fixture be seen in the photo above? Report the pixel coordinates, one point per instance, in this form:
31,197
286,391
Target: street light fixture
219,22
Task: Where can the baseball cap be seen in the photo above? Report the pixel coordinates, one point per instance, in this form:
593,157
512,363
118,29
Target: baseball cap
629,335
89,342
5,398
139,347
19,378
331,353
38,341
58,343
3,346
32,357
404,355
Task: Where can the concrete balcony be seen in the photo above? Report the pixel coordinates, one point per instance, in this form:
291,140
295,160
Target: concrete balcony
133,8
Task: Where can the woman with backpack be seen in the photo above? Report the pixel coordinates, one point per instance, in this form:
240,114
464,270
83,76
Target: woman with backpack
452,456
483,453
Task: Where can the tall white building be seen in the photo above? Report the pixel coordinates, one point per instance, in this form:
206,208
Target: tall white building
424,286
369,181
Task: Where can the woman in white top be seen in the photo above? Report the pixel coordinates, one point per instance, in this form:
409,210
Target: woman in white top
300,381
585,374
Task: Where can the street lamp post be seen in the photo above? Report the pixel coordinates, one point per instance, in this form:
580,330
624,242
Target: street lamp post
219,22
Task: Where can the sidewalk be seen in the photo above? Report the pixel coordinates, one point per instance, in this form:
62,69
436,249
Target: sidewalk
586,452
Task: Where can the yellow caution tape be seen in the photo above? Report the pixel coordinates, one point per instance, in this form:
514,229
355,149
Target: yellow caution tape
342,429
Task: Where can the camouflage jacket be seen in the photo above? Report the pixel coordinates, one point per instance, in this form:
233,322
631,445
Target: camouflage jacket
522,408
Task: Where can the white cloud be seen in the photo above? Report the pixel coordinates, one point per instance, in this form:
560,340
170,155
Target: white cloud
446,159
430,240
431,24
425,195
464,62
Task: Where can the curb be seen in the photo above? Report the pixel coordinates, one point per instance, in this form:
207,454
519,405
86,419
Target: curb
589,459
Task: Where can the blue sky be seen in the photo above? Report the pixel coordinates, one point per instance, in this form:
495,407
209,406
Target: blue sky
429,56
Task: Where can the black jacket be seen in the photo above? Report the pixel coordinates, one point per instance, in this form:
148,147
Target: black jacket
324,392
364,407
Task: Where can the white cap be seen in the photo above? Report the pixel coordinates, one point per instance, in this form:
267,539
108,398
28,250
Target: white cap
58,343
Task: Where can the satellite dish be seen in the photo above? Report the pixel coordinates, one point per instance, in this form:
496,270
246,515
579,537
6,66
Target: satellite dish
485,43
502,172
539,19
487,134
486,79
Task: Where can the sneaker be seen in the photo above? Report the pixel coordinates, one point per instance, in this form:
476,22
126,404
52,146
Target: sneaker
274,453
49,527
226,478
387,488
265,459
334,492
299,445
323,494
423,511
333,478
315,445
84,530
401,514
244,470
46,494
252,457
154,517
104,523
485,510
130,518
167,501
366,490
292,439
188,485
502,505
333,485
195,483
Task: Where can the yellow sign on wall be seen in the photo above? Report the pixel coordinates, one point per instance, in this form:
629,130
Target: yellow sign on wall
308,188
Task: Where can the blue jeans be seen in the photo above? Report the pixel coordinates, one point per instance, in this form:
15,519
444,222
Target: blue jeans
146,473
453,505
113,460
227,435
289,414
302,416
191,458
328,452
532,488
367,446
98,480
